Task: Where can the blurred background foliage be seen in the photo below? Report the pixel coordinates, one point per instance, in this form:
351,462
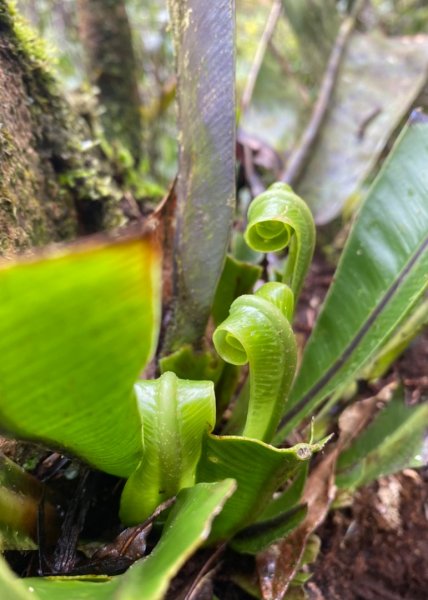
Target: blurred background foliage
383,73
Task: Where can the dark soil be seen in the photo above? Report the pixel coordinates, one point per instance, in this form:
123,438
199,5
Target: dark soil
377,549
412,369
314,291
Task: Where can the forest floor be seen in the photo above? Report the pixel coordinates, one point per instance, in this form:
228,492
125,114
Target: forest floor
377,548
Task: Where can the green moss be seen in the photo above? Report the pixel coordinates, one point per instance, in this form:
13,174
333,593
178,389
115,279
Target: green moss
6,143
15,194
73,190
29,43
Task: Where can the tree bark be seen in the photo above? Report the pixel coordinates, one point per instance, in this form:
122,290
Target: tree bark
111,66
54,183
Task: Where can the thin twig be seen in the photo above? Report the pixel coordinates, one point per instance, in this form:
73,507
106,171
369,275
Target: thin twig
260,53
206,567
41,537
300,155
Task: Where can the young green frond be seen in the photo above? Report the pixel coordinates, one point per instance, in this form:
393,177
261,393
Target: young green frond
278,219
175,414
258,332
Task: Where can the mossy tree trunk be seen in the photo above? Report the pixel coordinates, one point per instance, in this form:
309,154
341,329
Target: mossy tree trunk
54,183
111,66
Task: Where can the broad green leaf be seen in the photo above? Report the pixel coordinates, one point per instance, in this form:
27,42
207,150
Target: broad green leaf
259,536
398,341
257,331
73,588
12,538
186,529
406,448
378,81
385,423
77,325
289,498
315,26
259,470
20,497
175,414
275,110
203,34
11,588
393,441
382,273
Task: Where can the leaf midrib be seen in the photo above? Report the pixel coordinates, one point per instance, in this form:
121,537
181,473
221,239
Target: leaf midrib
353,344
